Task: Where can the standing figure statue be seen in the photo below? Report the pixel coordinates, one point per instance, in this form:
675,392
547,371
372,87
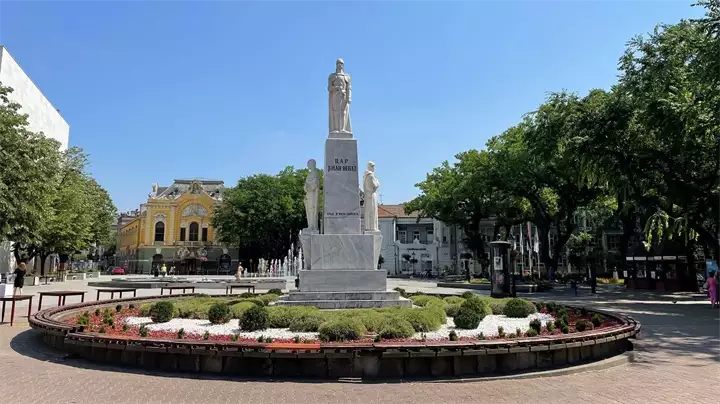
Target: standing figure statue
340,99
370,187
312,193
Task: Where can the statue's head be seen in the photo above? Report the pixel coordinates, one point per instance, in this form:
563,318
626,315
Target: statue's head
311,164
339,65
371,166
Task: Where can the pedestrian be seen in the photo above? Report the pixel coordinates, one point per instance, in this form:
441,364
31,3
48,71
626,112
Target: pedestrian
163,270
19,281
712,288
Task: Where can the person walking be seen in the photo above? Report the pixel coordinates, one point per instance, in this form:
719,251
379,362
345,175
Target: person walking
712,288
19,281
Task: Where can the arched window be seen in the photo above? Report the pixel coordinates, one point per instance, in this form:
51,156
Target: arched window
194,230
159,231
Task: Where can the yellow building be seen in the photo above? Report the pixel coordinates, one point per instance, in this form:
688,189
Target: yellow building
174,227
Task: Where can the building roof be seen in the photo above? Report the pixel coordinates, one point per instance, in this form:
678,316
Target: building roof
395,211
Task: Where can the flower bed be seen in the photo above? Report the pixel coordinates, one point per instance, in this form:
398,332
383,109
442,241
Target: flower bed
430,320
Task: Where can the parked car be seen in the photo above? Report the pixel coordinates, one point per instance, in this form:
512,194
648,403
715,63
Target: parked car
117,271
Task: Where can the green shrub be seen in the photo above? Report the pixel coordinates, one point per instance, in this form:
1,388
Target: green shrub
283,316
257,301
467,318
477,305
402,291
423,300
162,312
144,309
451,310
453,336
518,331
467,295
565,319
582,325
501,331
118,308
269,339
454,300
377,338
307,323
143,331
261,338
247,295
424,319
512,335
518,308
181,333
565,329
131,306
206,336
234,337
239,308
344,329
539,305
531,333
97,312
269,298
597,319
255,318
277,292
296,339
558,323
398,328
536,325
102,329
551,307
497,308
583,311
550,326
83,320
481,336
219,313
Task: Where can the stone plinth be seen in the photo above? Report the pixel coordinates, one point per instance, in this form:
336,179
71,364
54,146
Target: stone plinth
345,300
341,211
342,251
342,280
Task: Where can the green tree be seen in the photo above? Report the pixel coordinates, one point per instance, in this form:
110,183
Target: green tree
30,162
263,214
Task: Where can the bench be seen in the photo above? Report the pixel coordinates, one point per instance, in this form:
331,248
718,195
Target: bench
232,286
62,296
14,299
112,292
177,287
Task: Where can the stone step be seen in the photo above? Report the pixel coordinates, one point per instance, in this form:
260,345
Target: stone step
348,304
300,296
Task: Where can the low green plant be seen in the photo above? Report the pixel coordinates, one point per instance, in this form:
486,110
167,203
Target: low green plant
275,291
397,328
234,337
583,311
452,309
453,336
219,313
511,335
247,295
257,301
565,329
597,319
261,338
582,325
143,331
162,311
83,320
536,325
497,308
269,340
519,308
531,333
296,339
102,329
478,305
550,326
343,329
565,319
467,318
118,308
181,333
125,327
283,316
518,331
454,300
97,312
131,306
206,335
551,307
269,298
481,336
423,300
255,318
467,295
424,319
402,291
377,338
237,309
501,331
307,323
539,306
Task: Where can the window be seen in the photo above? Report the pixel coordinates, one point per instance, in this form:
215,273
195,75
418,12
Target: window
194,230
182,234
430,236
160,231
416,235
204,234
402,236
444,234
613,242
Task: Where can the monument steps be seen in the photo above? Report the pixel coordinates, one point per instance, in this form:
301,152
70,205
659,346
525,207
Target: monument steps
345,300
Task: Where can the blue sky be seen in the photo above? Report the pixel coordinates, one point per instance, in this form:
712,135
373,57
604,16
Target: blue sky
162,90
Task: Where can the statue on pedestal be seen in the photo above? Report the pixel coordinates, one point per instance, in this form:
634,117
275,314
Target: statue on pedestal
370,187
312,193
340,99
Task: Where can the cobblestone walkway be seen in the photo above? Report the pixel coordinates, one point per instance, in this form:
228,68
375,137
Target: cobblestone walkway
679,359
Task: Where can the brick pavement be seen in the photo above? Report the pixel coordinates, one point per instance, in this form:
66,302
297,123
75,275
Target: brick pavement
679,358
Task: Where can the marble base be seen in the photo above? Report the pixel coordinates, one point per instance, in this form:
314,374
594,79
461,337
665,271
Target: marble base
341,187
341,251
343,280
345,300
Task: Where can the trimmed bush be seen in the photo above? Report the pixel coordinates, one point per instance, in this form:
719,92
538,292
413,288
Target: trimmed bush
206,336
467,295
307,323
247,295
551,307
477,305
550,326
219,313
276,291
269,298
582,325
518,308
118,308
501,331
497,308
597,319
451,310
467,318
453,336
565,329
257,301
531,333
423,300
83,320
283,316
345,329
425,319
255,318
181,333
397,328
162,312
454,300
536,325
239,308
131,306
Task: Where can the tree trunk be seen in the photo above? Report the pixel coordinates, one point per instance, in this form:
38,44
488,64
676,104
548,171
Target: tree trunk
689,278
43,258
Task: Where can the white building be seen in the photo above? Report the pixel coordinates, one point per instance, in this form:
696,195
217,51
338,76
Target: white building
42,117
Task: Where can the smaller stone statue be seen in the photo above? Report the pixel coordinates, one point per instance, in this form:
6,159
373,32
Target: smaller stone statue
239,272
370,187
312,193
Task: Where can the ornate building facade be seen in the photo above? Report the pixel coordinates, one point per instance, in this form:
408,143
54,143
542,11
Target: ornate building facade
174,228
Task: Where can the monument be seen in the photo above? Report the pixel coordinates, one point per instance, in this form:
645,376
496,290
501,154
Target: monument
341,260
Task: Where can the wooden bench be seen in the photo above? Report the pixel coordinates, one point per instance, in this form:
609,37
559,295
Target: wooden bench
177,287
230,287
61,295
14,299
112,292
47,278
